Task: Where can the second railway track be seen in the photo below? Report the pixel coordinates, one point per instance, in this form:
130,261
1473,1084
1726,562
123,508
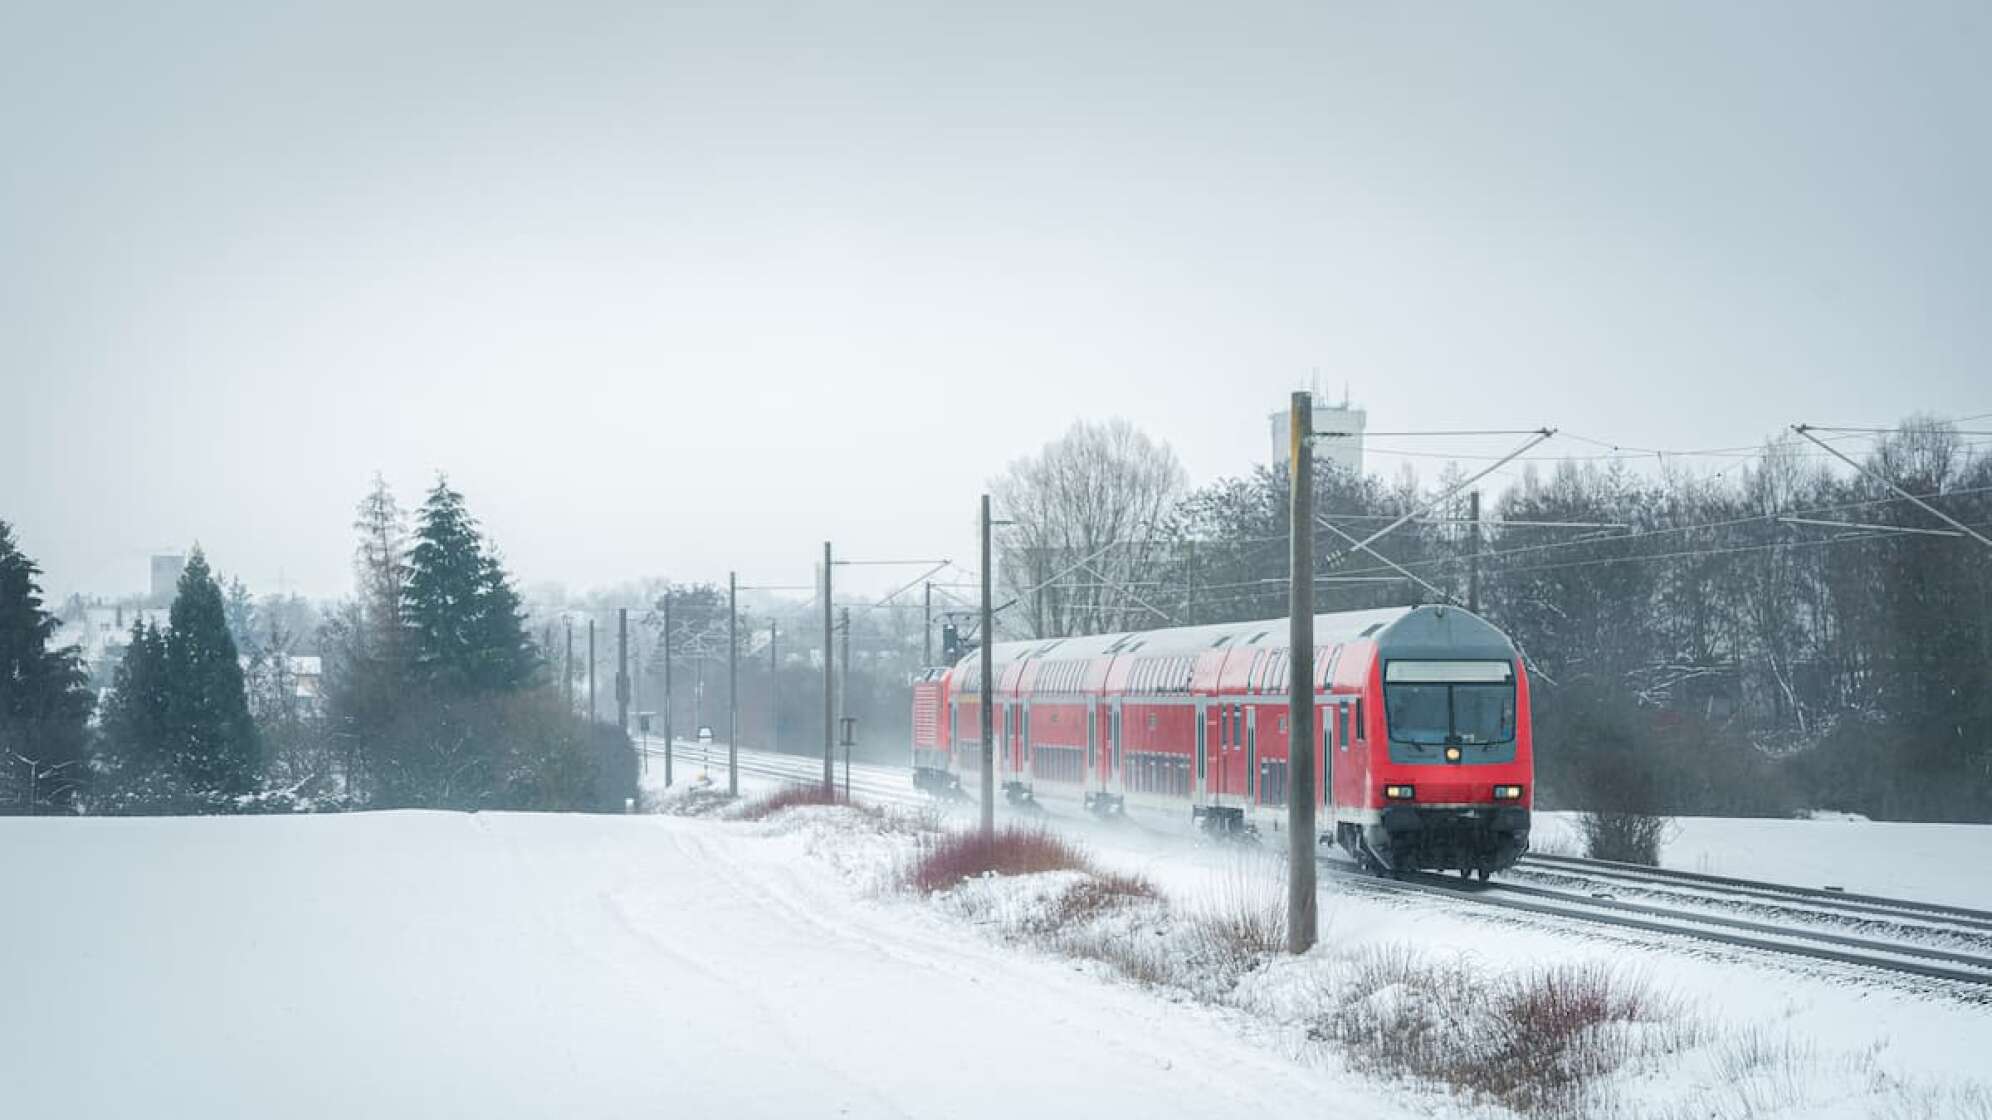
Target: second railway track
1894,955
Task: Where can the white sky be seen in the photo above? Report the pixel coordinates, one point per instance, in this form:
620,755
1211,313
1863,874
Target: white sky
670,289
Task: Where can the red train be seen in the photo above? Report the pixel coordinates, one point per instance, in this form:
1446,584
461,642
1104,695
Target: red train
1423,714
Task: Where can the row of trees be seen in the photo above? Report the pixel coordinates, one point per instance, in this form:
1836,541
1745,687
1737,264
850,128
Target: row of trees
433,696
436,695
1694,650
45,699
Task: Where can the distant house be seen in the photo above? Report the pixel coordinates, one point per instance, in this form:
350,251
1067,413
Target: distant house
100,636
306,674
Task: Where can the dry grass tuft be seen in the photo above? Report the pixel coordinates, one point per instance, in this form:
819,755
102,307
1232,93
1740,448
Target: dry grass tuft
1102,893
789,797
1011,850
698,799
1533,1041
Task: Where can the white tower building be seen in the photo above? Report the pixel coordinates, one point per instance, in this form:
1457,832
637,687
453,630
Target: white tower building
1341,425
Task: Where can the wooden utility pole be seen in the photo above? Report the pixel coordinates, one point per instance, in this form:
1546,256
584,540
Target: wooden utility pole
844,695
1302,920
622,669
988,704
829,690
732,684
668,745
636,698
1473,565
594,714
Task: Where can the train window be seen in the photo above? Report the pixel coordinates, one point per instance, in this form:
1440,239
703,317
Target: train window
1360,733
1342,721
1223,725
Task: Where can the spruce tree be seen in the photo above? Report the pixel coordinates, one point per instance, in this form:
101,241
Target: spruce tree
136,753
468,629
208,726
44,696
507,658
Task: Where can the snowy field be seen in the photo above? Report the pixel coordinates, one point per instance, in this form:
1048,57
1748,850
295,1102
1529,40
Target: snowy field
1948,863
507,965
511,965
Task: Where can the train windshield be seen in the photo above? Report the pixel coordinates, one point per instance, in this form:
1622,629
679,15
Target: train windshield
1431,703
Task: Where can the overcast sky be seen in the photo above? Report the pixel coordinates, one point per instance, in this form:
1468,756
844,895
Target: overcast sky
670,289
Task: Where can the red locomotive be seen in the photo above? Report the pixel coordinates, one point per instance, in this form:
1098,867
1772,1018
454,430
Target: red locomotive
1423,714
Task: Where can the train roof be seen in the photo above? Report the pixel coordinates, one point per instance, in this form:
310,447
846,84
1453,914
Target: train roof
1426,631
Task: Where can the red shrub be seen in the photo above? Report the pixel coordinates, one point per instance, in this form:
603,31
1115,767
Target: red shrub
1010,851
789,797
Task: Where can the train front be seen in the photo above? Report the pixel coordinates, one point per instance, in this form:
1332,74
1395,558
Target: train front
1452,781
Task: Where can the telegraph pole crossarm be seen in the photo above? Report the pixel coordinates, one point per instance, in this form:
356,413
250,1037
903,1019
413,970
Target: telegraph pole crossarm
1363,545
1806,431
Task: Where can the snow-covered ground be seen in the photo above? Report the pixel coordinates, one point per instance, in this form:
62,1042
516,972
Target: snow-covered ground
1841,1027
511,965
1947,863
498,965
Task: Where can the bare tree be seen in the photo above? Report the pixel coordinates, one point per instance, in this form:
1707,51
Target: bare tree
1087,513
380,563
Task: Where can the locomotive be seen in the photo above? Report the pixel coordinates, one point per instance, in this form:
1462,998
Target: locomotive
1423,745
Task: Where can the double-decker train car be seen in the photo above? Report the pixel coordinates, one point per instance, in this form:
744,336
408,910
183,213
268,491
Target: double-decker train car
1423,740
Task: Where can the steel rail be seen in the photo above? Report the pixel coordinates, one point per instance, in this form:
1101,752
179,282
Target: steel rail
1884,956
1594,910
1901,907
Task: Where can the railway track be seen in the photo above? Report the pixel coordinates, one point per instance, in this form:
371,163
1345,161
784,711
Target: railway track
1695,914
1822,899
1894,956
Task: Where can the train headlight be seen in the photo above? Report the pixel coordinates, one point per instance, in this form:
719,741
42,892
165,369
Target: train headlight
1452,754
1399,793
1507,793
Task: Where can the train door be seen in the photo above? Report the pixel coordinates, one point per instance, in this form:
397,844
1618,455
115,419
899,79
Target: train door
1003,738
1092,745
1024,770
1324,758
1203,750
1348,763
1115,781
1251,753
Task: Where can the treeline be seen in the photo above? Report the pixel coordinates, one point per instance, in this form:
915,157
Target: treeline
433,694
1698,643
